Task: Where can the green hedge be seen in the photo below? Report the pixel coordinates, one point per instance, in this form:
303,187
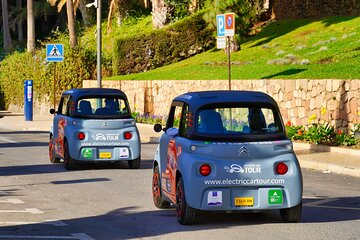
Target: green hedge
78,64
179,41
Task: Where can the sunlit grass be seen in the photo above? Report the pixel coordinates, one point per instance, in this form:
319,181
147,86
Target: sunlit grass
313,49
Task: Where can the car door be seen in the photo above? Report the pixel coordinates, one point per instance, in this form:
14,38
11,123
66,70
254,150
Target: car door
59,124
170,149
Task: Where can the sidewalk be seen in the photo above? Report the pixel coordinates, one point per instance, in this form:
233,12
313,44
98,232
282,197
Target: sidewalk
323,158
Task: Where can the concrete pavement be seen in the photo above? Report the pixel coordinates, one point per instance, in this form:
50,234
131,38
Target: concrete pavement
323,158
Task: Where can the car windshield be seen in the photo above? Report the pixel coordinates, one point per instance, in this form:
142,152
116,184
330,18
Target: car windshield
238,120
102,107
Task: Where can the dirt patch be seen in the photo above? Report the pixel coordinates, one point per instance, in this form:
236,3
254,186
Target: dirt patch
325,60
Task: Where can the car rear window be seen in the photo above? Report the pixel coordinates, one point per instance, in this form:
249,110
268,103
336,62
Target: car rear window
102,107
234,121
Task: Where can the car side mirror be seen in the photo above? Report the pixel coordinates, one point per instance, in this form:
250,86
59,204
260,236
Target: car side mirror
158,127
172,132
52,111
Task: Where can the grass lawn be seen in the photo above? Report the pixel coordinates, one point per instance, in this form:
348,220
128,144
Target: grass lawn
292,49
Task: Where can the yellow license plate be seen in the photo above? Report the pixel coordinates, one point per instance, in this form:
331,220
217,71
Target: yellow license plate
244,201
105,155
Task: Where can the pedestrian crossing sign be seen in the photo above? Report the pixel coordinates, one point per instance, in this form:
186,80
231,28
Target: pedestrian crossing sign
54,52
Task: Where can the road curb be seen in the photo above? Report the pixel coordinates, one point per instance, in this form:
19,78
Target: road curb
324,148
329,167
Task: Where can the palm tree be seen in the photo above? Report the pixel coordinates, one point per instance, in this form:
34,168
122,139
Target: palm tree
30,26
71,23
71,7
114,8
6,28
19,21
160,13
86,13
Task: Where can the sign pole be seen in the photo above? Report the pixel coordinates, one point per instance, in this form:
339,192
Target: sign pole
98,23
229,60
54,53
54,85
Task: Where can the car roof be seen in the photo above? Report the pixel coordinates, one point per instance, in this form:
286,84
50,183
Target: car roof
81,92
198,99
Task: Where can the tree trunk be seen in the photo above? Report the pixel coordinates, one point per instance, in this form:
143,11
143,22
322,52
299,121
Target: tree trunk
71,23
86,12
30,26
160,13
6,28
194,5
20,22
117,8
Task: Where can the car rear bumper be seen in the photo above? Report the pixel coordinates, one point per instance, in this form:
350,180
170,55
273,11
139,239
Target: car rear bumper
104,154
248,198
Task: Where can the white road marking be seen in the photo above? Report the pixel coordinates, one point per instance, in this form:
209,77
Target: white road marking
12,200
27,210
56,223
8,140
79,236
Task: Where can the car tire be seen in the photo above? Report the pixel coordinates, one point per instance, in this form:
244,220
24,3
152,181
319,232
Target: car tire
52,155
186,215
156,190
292,214
134,164
69,162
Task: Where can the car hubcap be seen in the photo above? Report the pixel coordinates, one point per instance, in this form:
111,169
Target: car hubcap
156,189
180,203
50,149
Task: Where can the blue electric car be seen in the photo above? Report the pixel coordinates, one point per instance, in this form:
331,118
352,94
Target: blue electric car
94,125
226,151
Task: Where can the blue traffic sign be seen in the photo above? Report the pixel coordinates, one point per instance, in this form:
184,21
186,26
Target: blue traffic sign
54,52
220,23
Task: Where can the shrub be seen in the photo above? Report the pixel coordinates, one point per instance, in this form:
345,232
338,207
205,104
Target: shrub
319,132
78,64
185,38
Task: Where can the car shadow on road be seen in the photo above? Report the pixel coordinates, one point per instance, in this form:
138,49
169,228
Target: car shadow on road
31,169
317,210
59,167
131,222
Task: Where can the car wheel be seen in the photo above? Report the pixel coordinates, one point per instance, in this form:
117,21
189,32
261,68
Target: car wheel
185,214
69,163
292,214
156,189
52,154
134,164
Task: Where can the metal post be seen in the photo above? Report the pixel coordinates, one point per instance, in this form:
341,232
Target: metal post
98,23
54,86
229,60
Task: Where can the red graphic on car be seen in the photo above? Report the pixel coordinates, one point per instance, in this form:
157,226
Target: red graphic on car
59,141
169,176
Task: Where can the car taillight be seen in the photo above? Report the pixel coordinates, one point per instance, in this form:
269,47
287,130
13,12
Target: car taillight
281,168
205,170
81,136
127,135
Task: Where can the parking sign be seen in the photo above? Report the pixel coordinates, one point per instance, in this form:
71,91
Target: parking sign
220,23
229,24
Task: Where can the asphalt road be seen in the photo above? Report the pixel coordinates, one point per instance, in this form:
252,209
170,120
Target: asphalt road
40,200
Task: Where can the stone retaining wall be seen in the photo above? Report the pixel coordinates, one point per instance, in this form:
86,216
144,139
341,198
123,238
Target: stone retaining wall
297,99
319,8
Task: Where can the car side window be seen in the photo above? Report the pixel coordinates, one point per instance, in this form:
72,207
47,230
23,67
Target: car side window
62,109
178,118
